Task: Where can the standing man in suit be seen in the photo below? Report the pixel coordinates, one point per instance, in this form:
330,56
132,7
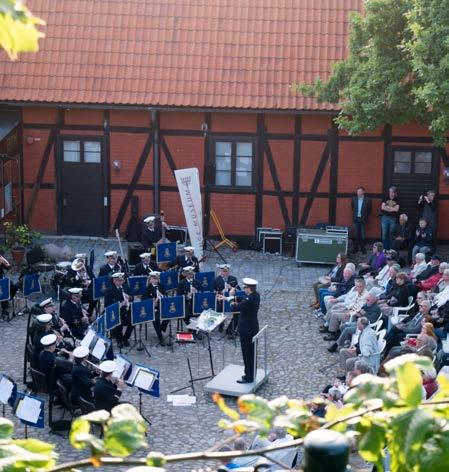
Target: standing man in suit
155,291
361,209
187,287
119,292
146,265
248,324
111,265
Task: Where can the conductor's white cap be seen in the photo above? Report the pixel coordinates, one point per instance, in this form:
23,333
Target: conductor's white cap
107,366
45,318
75,290
80,352
249,282
48,340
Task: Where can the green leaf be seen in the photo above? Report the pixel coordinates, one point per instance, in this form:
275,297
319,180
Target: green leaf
409,384
100,416
371,442
35,445
123,437
78,432
421,361
155,459
6,428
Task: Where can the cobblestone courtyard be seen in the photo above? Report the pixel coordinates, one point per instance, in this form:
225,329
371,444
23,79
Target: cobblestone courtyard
297,353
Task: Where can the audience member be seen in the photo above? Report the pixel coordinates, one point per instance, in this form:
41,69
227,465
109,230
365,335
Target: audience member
376,260
361,209
429,208
402,234
389,211
423,241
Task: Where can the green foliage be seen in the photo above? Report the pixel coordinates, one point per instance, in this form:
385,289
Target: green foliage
18,32
19,235
396,70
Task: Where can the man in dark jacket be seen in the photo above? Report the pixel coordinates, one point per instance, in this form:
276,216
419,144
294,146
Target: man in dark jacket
361,209
155,291
146,265
402,234
224,282
187,287
107,390
188,259
119,292
73,314
248,324
151,232
111,266
423,238
82,376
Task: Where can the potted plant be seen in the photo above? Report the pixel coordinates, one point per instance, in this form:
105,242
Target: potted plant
18,238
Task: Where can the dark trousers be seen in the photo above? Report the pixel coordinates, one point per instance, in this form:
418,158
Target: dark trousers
117,332
246,342
359,235
393,338
158,326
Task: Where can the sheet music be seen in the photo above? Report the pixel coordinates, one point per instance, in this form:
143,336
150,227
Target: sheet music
88,338
6,388
29,409
122,367
183,400
133,374
144,380
99,349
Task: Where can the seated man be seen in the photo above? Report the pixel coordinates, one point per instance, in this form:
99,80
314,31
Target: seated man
380,280
376,260
419,266
337,289
349,307
431,283
49,363
74,314
410,325
397,295
423,241
402,234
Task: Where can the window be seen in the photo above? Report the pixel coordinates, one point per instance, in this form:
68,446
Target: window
412,162
82,151
234,163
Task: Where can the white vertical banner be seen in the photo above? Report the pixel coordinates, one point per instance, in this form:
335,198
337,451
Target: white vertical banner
188,181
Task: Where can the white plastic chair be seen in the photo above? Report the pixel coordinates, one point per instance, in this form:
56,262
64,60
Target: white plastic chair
381,343
374,325
399,313
381,334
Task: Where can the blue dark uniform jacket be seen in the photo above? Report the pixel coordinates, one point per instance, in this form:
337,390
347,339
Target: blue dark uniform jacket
248,308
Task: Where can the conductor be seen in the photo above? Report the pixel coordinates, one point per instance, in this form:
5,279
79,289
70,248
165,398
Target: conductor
248,324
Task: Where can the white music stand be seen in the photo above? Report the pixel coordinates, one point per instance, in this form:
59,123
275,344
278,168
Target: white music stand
226,381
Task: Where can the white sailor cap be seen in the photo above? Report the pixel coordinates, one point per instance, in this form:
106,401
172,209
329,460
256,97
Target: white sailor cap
48,340
189,248
80,352
107,366
118,275
249,282
154,273
47,301
75,290
77,264
145,255
80,255
64,264
224,266
110,253
188,269
44,318
149,219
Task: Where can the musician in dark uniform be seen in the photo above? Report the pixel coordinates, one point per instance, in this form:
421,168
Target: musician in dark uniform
82,377
107,389
146,265
155,290
223,283
187,287
73,314
248,324
58,324
188,259
119,292
151,233
5,265
49,363
111,266
82,276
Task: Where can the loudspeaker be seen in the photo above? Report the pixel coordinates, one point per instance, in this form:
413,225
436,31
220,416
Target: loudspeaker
134,250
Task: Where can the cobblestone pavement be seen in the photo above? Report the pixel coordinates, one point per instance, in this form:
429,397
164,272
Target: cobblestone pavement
301,366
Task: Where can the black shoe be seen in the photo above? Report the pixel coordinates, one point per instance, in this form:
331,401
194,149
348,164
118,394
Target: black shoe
331,337
126,342
162,342
244,381
324,329
333,347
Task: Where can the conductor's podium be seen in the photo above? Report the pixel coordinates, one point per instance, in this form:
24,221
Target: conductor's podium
226,381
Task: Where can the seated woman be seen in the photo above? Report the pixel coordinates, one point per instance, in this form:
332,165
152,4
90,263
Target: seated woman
375,262
396,297
334,275
429,382
419,266
440,319
423,241
432,282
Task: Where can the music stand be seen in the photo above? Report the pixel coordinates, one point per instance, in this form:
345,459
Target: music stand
30,411
8,392
172,308
141,313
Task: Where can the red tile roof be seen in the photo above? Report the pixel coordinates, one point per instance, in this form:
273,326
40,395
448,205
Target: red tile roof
191,53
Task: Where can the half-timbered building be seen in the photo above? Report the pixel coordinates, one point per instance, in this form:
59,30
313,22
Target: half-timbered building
122,93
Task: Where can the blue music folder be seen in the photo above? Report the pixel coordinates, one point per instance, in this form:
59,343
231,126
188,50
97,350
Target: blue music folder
131,377
172,308
227,306
137,284
142,312
169,280
23,411
31,284
101,325
112,316
100,286
205,280
165,252
203,301
5,289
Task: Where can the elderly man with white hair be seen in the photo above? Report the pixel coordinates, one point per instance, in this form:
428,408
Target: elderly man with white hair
336,290
419,266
